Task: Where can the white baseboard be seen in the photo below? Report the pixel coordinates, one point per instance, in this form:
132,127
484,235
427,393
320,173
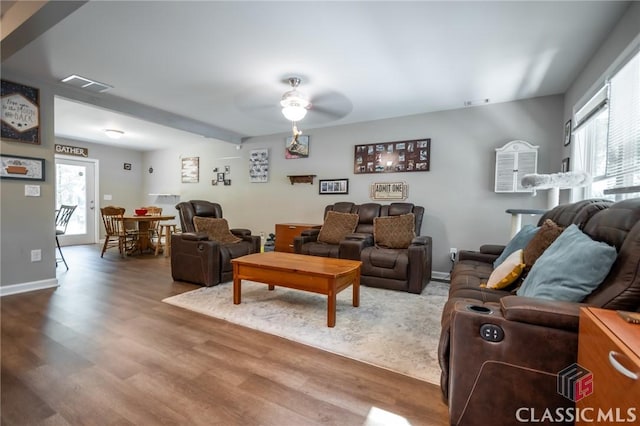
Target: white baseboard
6,290
440,276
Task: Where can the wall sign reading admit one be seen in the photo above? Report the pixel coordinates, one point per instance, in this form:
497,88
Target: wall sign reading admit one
389,191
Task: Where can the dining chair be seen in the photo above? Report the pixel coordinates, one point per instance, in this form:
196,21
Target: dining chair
63,215
154,234
116,234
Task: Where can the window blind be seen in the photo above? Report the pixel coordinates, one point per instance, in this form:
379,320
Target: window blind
623,142
592,107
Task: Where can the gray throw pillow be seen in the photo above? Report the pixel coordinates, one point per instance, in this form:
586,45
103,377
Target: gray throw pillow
570,268
519,241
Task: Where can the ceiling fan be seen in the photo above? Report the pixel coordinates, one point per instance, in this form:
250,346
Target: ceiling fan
313,104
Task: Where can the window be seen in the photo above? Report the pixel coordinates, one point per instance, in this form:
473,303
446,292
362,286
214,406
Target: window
607,136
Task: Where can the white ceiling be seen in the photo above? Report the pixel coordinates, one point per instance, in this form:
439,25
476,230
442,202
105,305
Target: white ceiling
218,68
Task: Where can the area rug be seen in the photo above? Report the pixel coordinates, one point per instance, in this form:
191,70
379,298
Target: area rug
391,329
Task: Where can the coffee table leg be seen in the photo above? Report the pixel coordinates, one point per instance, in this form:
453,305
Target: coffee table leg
356,290
331,309
237,286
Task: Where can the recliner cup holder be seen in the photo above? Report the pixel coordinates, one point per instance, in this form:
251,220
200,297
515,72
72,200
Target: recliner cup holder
479,309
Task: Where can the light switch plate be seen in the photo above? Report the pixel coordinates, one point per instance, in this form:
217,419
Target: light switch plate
32,190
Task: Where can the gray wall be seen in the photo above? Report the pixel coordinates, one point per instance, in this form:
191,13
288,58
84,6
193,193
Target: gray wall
27,223
461,208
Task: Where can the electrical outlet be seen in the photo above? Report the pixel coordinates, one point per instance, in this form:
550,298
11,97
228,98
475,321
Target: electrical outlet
453,254
36,255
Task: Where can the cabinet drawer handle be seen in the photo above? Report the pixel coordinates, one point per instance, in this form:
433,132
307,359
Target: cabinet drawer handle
292,227
290,245
621,368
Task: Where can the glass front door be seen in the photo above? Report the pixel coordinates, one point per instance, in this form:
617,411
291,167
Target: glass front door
75,185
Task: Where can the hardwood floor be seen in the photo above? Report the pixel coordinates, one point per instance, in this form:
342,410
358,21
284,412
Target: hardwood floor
103,349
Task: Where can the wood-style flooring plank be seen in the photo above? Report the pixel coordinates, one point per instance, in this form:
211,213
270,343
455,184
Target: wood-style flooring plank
104,349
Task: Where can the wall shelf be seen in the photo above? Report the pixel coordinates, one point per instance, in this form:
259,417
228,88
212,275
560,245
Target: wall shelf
301,179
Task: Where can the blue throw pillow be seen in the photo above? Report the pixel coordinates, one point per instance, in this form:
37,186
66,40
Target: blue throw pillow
570,268
519,241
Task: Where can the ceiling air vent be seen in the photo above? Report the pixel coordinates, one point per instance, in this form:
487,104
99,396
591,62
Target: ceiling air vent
86,84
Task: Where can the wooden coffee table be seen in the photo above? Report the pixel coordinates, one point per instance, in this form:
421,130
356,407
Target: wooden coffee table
316,274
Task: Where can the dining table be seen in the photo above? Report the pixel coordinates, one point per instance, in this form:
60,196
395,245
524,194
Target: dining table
143,224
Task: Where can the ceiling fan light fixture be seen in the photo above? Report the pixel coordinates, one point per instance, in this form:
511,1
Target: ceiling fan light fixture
294,112
294,103
114,134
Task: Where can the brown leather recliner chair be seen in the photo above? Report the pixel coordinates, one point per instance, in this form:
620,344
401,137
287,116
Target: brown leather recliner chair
195,258
405,269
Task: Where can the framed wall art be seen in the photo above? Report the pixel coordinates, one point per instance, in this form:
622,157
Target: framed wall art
259,165
190,170
567,133
20,113
565,165
393,157
333,186
389,191
297,147
23,168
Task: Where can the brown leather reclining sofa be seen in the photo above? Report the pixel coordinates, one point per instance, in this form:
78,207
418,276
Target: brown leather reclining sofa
404,269
485,381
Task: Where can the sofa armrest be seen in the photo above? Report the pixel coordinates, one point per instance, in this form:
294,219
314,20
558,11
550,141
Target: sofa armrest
477,256
255,241
310,233
542,312
194,236
495,249
421,240
240,232
350,248
360,236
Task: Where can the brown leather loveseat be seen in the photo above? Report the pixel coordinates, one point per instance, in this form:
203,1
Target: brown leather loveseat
501,353
197,259
406,267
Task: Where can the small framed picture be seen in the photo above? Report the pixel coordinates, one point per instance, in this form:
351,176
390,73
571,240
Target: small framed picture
23,168
127,166
333,186
297,147
567,133
227,182
220,177
565,165
214,182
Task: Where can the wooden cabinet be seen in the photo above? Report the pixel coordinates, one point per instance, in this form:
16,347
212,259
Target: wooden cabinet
609,347
286,232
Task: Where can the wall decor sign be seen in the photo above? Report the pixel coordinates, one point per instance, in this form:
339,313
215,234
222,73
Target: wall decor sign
20,113
565,165
392,157
297,147
75,151
190,169
259,165
333,186
389,191
23,168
